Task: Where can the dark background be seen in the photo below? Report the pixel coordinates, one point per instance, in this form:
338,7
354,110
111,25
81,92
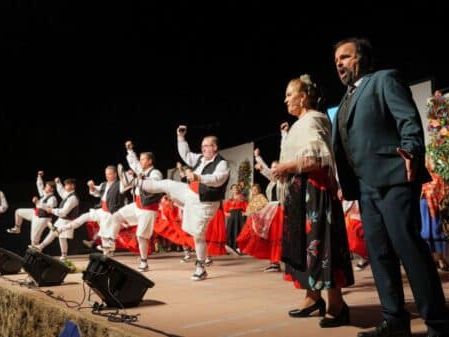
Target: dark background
80,78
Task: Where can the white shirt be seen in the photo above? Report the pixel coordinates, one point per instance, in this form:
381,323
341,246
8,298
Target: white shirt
68,205
215,179
134,164
51,202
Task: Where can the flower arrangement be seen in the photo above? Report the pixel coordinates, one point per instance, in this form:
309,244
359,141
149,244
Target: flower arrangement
438,149
244,176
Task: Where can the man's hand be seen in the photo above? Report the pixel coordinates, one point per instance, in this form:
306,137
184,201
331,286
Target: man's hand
256,152
129,145
40,173
35,200
192,176
284,127
181,130
410,164
91,185
57,180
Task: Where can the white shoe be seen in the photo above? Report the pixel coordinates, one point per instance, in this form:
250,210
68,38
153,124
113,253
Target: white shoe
63,258
108,252
35,248
208,262
361,265
100,248
108,243
143,266
13,230
199,276
186,258
231,251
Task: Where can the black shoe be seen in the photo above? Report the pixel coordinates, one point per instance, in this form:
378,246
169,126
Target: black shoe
385,329
341,319
318,305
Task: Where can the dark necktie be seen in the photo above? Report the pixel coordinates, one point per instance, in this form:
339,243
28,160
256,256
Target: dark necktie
343,114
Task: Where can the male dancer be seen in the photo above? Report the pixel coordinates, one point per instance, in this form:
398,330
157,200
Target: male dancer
201,197
38,216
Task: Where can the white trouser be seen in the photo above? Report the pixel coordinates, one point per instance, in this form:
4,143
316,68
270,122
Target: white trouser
133,215
196,215
98,215
23,214
66,234
38,225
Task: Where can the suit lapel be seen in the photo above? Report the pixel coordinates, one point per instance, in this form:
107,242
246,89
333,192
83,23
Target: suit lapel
356,95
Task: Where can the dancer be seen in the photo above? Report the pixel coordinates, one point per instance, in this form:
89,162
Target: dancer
38,216
67,211
201,198
143,211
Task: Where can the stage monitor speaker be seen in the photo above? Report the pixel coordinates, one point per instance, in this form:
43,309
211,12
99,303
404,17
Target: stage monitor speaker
116,284
10,263
44,269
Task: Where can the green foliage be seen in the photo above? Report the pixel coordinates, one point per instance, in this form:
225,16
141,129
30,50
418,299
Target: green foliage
244,175
438,149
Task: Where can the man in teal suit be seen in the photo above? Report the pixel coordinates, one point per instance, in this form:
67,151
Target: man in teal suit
379,149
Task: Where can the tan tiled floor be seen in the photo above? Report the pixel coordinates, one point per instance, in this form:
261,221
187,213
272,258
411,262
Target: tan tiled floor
237,299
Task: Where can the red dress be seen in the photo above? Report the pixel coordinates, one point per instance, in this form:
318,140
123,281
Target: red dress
261,237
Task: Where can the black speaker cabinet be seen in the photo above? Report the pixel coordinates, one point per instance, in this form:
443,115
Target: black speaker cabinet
10,263
116,284
44,269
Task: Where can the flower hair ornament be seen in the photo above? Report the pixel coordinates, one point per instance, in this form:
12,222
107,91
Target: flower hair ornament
307,81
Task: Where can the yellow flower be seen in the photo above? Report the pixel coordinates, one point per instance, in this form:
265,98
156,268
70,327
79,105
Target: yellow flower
435,123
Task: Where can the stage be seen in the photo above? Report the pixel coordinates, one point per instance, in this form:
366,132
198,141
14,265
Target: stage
237,299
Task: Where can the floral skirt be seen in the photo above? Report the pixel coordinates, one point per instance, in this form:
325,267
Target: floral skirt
315,245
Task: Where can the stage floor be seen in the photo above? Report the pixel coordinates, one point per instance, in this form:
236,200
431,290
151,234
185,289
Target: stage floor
237,299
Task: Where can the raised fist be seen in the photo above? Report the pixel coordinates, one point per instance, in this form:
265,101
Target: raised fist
40,173
129,145
256,152
181,130
285,126
57,180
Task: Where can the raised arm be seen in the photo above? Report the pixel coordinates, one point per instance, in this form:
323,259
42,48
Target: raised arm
188,157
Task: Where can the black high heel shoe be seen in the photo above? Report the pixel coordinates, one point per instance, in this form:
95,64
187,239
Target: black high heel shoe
341,319
319,305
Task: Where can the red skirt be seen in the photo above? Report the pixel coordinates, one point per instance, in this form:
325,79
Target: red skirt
254,245
356,237
216,234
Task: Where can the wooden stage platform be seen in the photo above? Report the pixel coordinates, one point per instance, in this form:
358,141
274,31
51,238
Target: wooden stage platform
237,300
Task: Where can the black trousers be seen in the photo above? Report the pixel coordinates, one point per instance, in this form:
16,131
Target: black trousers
392,225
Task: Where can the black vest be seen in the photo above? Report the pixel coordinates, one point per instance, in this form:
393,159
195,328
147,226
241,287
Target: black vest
114,198
41,213
75,210
209,193
149,198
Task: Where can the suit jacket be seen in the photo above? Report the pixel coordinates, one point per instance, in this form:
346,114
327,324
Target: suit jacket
382,117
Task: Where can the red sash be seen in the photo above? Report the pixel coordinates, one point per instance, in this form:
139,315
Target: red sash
104,206
150,207
195,186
